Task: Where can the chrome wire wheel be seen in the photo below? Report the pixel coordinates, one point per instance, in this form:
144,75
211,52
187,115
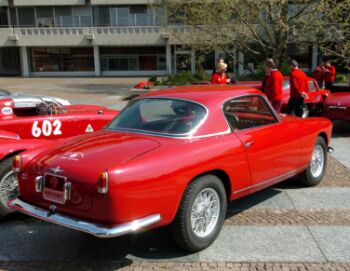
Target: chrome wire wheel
317,161
8,187
205,212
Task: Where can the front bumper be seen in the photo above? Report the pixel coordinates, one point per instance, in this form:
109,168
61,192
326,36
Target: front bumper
98,230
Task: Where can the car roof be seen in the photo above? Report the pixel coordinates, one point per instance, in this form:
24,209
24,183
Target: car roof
210,96
204,94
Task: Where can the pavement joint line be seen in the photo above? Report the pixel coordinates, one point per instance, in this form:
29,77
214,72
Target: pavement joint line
317,244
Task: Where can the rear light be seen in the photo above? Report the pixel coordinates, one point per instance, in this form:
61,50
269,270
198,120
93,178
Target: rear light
103,183
16,163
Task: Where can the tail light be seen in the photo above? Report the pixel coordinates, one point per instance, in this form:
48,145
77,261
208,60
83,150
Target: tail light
103,183
16,163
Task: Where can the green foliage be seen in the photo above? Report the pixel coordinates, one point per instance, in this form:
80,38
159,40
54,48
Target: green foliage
341,78
182,78
285,69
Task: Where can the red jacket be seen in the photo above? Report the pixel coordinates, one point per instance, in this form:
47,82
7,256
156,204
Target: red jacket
273,86
298,83
219,78
329,74
318,73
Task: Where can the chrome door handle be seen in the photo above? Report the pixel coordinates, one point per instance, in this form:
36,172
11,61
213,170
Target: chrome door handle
248,144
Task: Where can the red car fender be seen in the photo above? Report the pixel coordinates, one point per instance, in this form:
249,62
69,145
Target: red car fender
12,146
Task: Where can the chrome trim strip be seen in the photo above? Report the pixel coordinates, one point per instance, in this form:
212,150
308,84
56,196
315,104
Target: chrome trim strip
281,177
338,107
96,229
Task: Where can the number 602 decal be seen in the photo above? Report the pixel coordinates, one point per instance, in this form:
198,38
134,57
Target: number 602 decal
47,128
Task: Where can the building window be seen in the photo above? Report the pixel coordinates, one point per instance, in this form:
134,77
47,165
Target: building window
26,17
132,59
62,59
44,16
101,16
63,16
301,53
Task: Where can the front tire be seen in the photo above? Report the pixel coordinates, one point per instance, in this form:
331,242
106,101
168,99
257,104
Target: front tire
8,185
314,173
201,213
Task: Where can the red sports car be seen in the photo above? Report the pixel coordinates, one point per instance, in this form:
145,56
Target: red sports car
173,156
337,106
314,101
29,121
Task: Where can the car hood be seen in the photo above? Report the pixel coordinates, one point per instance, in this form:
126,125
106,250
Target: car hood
94,153
342,97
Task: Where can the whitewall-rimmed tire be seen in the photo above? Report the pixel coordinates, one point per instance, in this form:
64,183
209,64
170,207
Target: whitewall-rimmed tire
314,173
8,185
201,213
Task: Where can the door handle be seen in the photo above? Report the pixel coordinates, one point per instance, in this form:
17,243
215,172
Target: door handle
248,144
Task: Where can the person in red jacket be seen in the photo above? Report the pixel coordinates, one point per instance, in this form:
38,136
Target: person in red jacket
220,76
329,75
273,84
318,74
299,87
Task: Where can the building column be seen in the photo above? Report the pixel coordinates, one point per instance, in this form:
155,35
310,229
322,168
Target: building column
193,62
314,58
240,63
168,57
97,61
24,61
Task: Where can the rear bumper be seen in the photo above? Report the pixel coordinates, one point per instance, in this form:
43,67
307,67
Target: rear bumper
98,230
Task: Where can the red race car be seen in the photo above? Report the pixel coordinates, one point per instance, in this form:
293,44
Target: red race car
171,156
314,101
29,121
337,106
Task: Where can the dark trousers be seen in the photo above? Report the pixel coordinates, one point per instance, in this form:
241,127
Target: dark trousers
328,85
295,106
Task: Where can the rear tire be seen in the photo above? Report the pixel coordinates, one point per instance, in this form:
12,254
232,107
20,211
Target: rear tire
8,185
314,173
201,213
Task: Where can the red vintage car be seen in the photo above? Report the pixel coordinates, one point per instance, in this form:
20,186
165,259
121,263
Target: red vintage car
29,121
174,156
337,106
314,101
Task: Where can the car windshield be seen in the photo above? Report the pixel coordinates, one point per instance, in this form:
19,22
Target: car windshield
160,115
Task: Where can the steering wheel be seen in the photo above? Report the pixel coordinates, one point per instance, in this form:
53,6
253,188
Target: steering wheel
52,109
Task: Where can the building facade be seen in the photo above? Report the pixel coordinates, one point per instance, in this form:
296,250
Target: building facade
95,38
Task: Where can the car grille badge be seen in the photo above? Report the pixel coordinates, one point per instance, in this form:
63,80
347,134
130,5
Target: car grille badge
56,170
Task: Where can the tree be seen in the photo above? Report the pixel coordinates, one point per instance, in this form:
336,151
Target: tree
341,46
257,27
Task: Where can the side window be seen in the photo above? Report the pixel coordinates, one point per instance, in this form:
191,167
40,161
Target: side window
312,87
248,112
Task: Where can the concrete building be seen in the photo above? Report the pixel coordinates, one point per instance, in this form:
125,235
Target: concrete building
94,38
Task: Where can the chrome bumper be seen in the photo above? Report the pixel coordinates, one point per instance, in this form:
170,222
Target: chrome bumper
98,230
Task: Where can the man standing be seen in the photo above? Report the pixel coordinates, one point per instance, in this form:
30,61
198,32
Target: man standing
329,75
299,88
318,74
273,84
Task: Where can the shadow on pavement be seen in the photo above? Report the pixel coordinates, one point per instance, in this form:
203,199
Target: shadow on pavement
341,129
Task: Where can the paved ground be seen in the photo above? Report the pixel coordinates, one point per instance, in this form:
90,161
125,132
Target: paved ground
285,227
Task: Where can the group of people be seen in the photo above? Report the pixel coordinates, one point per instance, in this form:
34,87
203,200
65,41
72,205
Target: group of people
272,84
324,73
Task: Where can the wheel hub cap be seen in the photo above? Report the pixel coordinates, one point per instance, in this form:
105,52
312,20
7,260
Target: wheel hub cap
205,212
8,187
317,161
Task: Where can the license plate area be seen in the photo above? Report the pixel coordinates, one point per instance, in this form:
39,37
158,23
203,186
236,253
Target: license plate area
56,188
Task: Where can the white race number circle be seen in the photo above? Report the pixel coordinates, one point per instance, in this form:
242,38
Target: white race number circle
47,128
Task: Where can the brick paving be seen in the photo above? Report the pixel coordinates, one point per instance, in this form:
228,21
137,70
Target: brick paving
176,266
336,174
268,217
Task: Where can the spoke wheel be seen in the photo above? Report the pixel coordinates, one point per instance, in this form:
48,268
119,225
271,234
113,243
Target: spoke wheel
313,174
205,212
8,185
317,161
201,213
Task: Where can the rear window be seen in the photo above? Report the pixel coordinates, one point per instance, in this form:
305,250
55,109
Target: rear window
160,115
